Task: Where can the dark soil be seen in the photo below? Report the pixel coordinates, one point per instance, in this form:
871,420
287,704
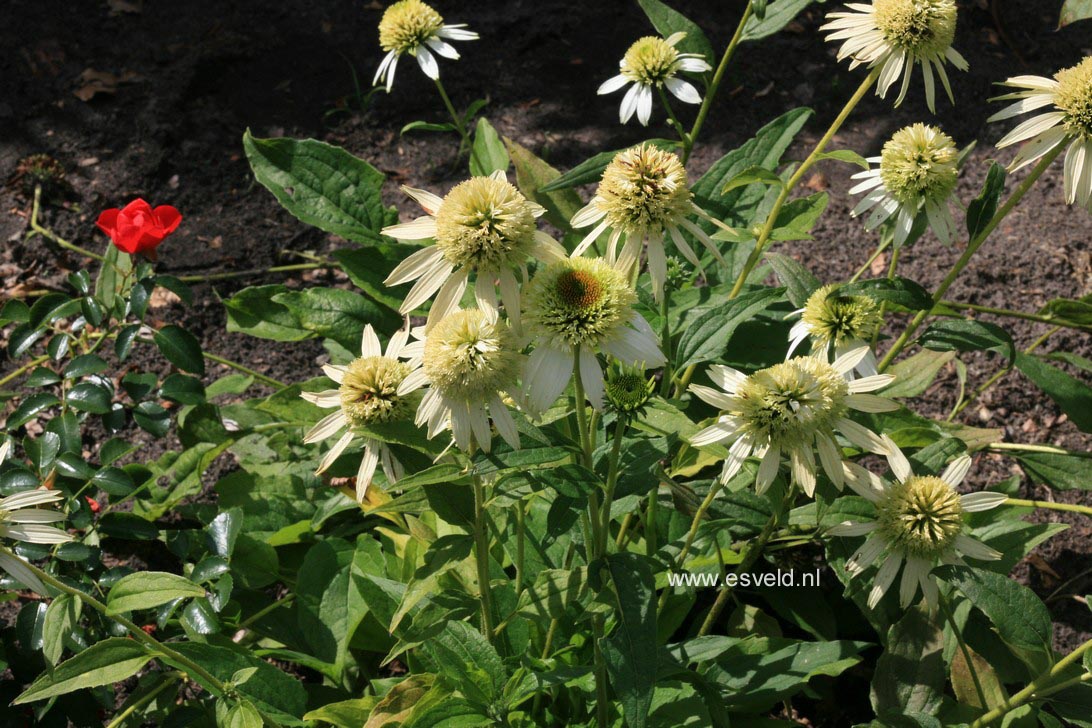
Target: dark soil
203,71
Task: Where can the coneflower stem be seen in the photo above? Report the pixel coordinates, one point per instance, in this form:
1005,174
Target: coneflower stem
1050,506
868,263
960,406
714,85
786,190
972,248
946,608
460,127
481,556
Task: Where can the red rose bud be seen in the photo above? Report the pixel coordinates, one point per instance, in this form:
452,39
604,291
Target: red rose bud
137,227
92,504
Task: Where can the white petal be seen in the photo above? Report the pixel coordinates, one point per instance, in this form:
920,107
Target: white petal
982,500
502,418
1032,127
366,471
830,456
644,105
767,469
547,374
326,427
413,381
415,265
886,574
28,498
846,362
444,49
712,435
629,103
912,573
956,471
35,533
683,91
591,377
426,286
871,403
420,228
427,62
898,463
849,528
1039,147
21,572
861,436
369,344
863,557
335,451
718,399
428,201
612,84
725,377
975,549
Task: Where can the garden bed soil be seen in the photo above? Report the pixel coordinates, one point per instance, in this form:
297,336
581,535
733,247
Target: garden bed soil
176,84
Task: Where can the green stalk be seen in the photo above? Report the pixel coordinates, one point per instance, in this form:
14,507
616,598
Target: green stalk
140,635
868,263
25,368
481,556
714,85
1000,374
972,248
1050,505
946,608
460,127
782,198
169,679
612,481
245,370
1038,685
1009,313
47,233
749,559
665,344
671,116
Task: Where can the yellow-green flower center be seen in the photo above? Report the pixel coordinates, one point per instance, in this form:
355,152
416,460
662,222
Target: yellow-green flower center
644,188
369,390
788,403
485,223
470,357
577,301
921,516
836,319
918,164
922,27
407,24
650,60
1074,98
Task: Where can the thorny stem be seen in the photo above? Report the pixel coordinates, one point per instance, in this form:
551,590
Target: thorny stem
972,248
946,608
139,634
782,198
1038,686
714,85
168,679
1024,315
47,233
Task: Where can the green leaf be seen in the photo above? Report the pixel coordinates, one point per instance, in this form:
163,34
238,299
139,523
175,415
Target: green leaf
668,21
129,526
89,397
1058,471
181,348
280,696
182,389
1073,396
105,663
779,13
30,408
591,169
708,330
1018,616
1074,10
345,714
253,311
799,282
846,155
242,715
983,207
85,364
532,177
369,267
915,375
444,554
61,617
899,291
466,659
750,176
1071,311
554,591
631,651
966,335
909,676
427,126
322,185
738,206
488,153
798,217
336,314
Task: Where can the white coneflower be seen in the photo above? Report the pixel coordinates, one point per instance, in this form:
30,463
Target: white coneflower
470,360
367,394
1068,122
792,410
915,174
918,525
581,304
21,521
644,196
649,64
836,325
411,26
894,35
483,225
